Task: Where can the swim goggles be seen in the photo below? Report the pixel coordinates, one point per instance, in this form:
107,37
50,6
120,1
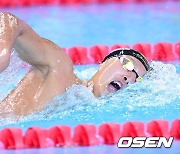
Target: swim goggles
129,66
126,51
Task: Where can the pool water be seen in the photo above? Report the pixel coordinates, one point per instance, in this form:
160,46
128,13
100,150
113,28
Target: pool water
104,24
156,97
153,98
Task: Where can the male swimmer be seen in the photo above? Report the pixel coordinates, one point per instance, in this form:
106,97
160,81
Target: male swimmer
52,70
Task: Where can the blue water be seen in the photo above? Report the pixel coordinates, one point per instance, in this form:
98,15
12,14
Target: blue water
104,24
157,97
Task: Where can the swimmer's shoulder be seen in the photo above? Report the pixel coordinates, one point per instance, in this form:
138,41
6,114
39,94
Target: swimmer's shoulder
57,58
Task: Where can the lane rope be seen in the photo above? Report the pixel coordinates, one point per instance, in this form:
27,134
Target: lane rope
14,3
85,134
162,51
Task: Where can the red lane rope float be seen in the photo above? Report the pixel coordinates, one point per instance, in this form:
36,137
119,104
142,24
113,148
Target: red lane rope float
158,128
60,135
78,55
35,137
175,129
133,129
85,134
110,132
144,48
12,138
98,52
161,51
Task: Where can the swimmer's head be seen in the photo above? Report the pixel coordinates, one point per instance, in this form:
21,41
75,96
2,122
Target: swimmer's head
119,68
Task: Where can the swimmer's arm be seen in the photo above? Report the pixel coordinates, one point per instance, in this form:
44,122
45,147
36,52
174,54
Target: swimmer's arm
8,33
31,48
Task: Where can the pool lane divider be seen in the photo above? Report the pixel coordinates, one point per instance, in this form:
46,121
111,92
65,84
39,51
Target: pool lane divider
9,3
85,134
162,51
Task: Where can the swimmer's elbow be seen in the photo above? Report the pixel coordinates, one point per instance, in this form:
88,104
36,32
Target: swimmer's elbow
10,20
7,15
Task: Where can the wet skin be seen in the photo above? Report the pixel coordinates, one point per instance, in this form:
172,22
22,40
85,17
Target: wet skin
52,70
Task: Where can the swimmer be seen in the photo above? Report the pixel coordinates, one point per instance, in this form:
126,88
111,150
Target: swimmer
52,70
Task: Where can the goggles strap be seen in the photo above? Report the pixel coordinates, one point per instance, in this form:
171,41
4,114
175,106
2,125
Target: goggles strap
130,52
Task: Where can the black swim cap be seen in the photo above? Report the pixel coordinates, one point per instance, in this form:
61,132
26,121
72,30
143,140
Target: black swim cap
126,51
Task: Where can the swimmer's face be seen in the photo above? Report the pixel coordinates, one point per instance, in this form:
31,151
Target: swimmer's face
112,76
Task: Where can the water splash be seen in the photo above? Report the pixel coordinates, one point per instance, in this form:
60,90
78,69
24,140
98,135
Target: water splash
12,75
157,96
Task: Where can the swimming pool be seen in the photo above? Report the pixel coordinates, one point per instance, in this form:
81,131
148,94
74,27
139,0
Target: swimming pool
154,98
